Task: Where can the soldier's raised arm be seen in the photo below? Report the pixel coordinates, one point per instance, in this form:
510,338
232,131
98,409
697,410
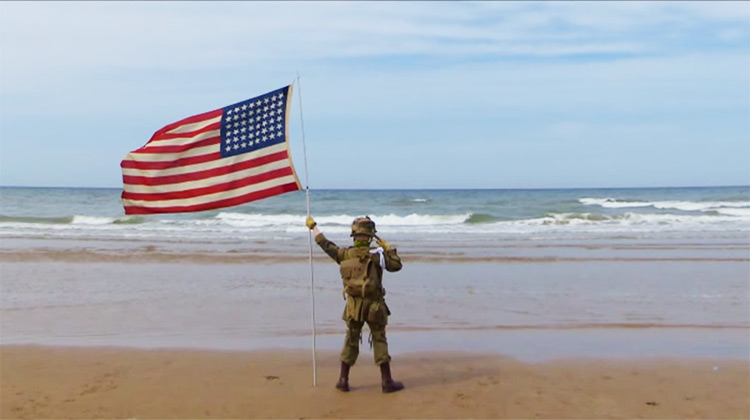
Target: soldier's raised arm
327,246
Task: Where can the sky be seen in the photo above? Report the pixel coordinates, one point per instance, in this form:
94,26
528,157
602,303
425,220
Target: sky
393,94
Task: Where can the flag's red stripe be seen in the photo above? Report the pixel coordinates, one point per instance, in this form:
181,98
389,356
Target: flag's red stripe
168,136
256,195
197,192
208,173
171,164
179,148
189,120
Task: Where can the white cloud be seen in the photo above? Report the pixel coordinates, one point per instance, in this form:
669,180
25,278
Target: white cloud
45,46
50,35
458,68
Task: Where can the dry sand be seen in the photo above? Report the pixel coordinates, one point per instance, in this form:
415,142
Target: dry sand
51,382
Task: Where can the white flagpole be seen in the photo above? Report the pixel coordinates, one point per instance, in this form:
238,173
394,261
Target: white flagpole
310,238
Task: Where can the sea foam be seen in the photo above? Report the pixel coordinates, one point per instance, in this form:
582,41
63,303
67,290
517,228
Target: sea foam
739,208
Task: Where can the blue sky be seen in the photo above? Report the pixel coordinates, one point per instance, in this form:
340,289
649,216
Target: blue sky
394,94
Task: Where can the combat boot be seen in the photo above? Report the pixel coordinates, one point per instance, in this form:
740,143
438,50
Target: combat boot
343,383
389,385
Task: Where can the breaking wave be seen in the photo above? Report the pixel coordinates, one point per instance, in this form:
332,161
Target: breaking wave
73,220
258,220
729,208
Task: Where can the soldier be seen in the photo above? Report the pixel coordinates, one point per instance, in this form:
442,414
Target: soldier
361,268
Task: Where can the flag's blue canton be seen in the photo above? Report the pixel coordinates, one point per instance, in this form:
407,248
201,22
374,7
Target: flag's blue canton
254,124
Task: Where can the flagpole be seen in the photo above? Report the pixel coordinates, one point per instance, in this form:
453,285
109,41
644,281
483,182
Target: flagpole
309,235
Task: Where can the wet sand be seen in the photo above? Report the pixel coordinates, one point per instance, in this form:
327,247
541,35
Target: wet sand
58,382
92,331
529,311
125,251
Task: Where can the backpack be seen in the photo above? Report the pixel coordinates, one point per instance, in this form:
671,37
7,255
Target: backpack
355,276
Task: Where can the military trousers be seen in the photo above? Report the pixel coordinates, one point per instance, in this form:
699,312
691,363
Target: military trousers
355,320
350,352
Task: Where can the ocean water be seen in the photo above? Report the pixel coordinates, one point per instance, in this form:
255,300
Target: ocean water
533,274
461,215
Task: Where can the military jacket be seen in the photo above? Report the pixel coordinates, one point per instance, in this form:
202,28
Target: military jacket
374,271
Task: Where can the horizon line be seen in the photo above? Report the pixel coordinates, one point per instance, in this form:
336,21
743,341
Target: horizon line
432,189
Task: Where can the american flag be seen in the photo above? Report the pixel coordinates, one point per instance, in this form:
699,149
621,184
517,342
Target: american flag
221,158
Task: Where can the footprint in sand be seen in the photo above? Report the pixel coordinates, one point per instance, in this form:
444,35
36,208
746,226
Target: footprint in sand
462,400
105,382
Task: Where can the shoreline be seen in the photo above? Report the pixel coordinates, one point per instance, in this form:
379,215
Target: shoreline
207,258
527,345
528,253
111,382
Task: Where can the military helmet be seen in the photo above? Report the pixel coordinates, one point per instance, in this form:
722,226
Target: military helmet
363,226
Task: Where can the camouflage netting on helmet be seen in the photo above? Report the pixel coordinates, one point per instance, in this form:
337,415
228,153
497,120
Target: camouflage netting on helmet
363,226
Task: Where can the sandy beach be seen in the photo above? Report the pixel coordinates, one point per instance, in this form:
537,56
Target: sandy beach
163,340
104,324
55,382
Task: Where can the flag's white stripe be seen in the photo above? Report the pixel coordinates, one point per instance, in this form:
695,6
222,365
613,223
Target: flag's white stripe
218,163
171,157
206,182
181,141
209,198
187,128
